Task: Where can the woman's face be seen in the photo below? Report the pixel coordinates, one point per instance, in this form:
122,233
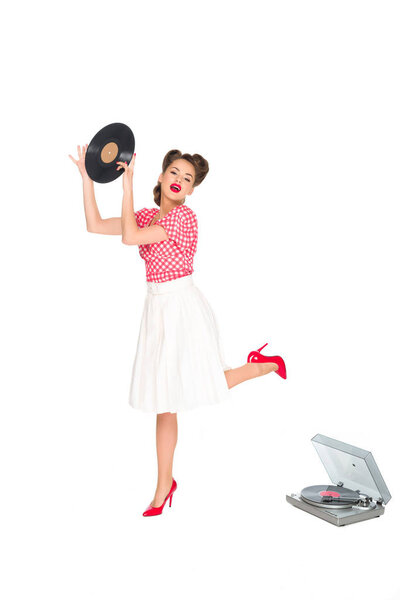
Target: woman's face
178,179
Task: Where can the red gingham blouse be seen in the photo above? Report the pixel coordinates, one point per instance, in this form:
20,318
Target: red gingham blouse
172,258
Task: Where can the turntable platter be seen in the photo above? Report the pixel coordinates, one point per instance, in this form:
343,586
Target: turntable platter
330,496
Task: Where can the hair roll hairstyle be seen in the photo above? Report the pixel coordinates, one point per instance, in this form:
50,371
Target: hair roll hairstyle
200,167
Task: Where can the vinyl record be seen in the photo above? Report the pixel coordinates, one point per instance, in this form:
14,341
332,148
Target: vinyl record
113,143
331,496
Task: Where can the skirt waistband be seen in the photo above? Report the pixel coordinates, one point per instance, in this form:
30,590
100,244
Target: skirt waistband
163,287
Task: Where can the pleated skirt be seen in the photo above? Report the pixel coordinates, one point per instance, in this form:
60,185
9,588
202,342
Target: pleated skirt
179,363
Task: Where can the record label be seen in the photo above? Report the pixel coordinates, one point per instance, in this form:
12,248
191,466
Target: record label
109,152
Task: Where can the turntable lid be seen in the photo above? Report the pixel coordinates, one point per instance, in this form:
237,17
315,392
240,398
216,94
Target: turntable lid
354,468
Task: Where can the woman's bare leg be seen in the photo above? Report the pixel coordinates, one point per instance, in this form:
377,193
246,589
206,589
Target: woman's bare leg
167,428
248,371
166,438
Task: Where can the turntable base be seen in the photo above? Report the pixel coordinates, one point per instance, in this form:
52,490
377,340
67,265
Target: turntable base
338,516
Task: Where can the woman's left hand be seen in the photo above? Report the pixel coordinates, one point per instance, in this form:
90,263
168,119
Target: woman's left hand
128,172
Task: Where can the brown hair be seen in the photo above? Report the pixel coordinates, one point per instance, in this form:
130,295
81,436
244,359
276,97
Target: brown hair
200,167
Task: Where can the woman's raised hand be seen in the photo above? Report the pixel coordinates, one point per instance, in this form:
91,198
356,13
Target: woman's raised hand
128,172
80,163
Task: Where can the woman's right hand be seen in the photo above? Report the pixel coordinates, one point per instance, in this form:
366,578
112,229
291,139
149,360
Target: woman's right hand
80,163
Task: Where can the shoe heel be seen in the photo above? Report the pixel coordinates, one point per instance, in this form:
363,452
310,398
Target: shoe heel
170,500
259,350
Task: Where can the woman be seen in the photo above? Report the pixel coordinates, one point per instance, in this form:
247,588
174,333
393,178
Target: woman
179,363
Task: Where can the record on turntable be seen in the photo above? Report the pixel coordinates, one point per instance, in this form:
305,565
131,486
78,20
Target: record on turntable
332,496
113,143
358,491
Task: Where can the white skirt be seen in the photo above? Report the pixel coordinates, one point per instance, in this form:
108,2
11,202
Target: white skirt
179,363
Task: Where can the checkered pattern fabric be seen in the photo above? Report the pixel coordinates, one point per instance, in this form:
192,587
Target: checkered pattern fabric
172,258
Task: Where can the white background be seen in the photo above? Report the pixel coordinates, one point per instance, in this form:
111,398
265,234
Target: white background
296,107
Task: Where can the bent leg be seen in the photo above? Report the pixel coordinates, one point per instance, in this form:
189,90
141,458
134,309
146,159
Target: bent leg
248,371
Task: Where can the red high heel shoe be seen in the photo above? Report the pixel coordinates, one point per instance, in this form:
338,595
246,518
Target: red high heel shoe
151,511
255,356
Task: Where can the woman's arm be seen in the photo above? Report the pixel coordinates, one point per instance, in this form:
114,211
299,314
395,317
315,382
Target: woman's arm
94,222
92,215
111,226
128,221
147,235
132,234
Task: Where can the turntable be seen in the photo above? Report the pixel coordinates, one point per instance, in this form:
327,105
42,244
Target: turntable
358,492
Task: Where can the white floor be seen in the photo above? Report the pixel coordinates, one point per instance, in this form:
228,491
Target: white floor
295,105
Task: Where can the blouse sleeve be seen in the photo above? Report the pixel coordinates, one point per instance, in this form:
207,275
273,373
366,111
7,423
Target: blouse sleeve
181,227
141,217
